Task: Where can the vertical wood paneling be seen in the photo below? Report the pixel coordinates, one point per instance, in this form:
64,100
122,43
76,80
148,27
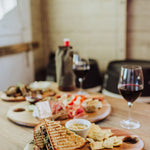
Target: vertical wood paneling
36,17
138,29
97,28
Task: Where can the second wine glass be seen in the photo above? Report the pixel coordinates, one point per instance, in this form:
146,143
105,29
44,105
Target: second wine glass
80,67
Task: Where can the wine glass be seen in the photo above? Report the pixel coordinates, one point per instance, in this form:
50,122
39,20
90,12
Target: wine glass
130,86
80,67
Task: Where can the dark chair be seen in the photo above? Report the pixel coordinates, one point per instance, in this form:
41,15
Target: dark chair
112,74
51,70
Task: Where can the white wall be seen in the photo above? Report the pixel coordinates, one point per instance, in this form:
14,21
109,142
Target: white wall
15,28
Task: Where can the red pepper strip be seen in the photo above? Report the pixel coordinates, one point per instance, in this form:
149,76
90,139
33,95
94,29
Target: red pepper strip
71,103
58,96
82,99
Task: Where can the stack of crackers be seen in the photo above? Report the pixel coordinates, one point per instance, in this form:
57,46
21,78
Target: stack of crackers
102,138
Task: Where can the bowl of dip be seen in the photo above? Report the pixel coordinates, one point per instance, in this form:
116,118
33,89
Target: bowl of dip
79,126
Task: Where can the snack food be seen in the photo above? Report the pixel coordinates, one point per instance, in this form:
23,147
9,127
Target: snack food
102,138
38,90
39,85
32,93
66,106
77,126
91,105
14,93
52,135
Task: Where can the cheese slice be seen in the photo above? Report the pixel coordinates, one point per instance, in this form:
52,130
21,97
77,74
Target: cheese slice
42,110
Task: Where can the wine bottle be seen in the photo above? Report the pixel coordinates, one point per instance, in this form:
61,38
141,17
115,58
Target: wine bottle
64,73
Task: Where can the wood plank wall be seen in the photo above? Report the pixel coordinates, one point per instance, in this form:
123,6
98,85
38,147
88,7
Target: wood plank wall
138,29
37,35
96,28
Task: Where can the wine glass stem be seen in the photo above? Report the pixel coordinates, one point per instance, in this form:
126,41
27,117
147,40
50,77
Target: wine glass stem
81,83
130,105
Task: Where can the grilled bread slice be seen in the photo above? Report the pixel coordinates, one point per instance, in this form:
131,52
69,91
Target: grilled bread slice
53,136
38,137
62,138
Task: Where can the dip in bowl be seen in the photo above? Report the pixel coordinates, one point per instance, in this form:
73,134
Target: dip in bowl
79,126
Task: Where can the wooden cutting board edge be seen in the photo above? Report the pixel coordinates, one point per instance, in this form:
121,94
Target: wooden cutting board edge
20,117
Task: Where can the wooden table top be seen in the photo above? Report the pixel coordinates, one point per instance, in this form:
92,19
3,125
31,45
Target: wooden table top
15,137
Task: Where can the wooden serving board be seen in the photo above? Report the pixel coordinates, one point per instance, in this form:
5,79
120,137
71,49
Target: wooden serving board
6,98
139,145
19,114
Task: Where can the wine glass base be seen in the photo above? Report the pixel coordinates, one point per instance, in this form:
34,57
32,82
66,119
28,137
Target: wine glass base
129,124
81,92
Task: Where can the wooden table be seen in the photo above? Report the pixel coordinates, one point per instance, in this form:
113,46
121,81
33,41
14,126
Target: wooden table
15,137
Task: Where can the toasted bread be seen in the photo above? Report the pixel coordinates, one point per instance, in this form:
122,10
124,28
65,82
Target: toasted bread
38,139
62,138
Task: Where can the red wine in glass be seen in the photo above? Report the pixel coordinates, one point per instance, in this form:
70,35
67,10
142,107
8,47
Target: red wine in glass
80,72
130,86
80,67
130,92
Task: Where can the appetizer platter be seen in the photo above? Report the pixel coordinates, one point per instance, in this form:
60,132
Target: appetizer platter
61,107
6,98
21,92
14,93
51,135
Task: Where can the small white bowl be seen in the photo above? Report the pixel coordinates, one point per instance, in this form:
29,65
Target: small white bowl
81,132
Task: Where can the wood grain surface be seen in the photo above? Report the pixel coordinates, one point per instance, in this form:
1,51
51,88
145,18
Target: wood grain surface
20,114
14,137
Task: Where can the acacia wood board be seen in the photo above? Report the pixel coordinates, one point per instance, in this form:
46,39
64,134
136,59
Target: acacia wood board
139,145
6,98
19,114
